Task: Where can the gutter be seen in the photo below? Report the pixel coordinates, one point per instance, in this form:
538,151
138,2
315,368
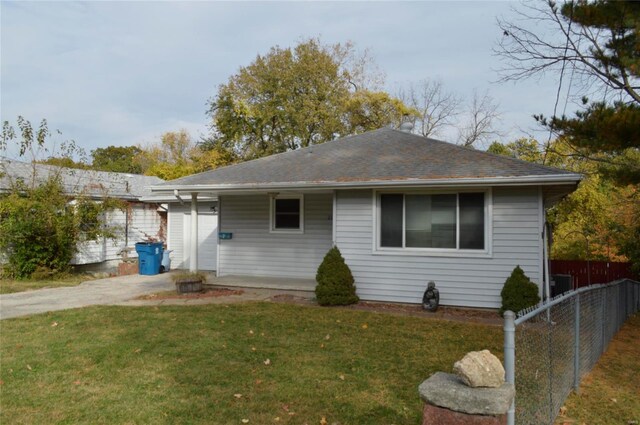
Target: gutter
493,181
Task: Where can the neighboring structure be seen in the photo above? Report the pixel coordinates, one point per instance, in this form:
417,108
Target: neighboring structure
403,210
139,221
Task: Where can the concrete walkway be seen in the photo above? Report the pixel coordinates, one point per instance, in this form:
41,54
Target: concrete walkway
112,290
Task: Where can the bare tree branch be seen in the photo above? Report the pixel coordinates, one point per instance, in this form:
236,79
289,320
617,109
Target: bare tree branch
482,115
436,107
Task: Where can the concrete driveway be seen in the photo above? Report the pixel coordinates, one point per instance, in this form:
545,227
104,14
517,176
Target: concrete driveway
112,290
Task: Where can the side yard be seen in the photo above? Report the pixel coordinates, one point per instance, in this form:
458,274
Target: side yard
610,393
259,362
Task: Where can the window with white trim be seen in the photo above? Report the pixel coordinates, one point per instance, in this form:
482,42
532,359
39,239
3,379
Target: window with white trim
443,221
287,214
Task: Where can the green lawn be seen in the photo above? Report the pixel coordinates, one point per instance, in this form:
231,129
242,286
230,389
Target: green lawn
8,286
610,393
261,362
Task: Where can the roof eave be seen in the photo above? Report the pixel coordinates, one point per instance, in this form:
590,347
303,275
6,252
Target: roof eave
471,181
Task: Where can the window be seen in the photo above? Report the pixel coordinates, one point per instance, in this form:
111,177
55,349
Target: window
437,221
287,214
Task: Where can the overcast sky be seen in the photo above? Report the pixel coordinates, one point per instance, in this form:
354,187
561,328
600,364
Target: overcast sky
116,73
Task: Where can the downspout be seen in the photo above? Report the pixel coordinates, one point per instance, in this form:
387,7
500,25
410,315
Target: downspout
547,263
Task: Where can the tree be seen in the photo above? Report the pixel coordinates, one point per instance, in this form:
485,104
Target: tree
482,113
598,43
297,97
177,155
40,223
118,159
63,161
524,148
435,107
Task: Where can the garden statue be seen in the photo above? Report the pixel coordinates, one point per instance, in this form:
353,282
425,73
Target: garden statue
431,297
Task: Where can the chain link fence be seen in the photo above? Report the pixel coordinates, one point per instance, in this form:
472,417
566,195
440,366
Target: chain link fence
549,348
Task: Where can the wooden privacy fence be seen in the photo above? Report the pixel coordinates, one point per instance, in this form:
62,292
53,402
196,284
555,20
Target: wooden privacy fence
596,271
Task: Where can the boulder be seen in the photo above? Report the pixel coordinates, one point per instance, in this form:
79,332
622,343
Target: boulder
448,391
480,369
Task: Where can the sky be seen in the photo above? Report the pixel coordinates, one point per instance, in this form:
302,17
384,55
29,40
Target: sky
123,73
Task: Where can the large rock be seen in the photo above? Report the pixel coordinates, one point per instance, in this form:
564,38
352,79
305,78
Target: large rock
448,391
480,369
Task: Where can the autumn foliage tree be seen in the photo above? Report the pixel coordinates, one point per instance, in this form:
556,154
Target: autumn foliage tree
178,155
297,97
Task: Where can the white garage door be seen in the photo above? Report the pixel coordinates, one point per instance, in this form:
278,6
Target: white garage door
207,240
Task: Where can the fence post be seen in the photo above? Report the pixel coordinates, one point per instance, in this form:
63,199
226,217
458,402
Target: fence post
510,358
576,347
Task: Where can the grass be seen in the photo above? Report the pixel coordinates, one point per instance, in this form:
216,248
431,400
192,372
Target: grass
9,286
263,362
610,393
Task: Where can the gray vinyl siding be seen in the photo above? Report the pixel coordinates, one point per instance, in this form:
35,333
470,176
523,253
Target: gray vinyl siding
175,230
254,251
462,281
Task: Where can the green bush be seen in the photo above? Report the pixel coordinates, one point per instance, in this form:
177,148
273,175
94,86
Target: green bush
37,229
40,228
335,281
518,292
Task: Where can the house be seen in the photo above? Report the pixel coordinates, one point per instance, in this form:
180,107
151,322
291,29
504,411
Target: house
403,210
138,221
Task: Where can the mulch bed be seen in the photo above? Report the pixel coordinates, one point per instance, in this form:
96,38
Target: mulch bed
206,293
490,317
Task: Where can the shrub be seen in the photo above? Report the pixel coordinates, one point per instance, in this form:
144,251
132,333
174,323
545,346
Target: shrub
335,281
518,292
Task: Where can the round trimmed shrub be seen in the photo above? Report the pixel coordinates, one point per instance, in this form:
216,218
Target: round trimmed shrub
335,281
518,292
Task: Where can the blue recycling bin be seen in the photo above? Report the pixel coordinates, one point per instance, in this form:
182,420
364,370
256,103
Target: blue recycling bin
149,257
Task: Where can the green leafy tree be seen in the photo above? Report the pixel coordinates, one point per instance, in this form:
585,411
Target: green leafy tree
335,281
518,292
118,159
297,97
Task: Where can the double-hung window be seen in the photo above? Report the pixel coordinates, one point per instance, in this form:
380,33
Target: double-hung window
447,221
287,214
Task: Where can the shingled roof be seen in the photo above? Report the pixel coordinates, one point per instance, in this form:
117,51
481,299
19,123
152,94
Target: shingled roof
97,184
380,157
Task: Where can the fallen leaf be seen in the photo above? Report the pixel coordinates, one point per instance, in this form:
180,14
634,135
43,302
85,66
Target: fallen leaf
258,381
285,407
253,348
338,321
323,421
614,400
328,337
276,419
250,332
222,321
54,324
267,362
76,382
137,350
563,411
245,421
321,345
341,377
365,326
238,395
